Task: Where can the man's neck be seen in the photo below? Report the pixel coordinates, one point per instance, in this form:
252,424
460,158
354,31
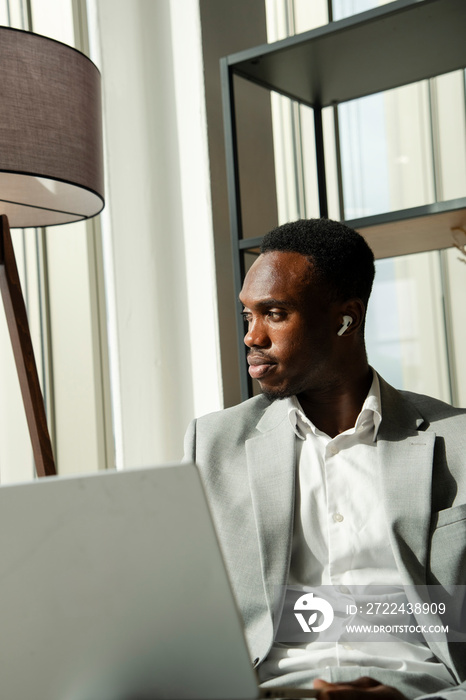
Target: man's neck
335,409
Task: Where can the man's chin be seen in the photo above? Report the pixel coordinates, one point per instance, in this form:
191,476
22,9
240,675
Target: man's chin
275,394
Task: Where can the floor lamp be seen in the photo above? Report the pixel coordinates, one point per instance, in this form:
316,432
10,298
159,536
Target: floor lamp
51,172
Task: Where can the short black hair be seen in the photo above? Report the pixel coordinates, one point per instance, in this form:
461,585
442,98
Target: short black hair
340,256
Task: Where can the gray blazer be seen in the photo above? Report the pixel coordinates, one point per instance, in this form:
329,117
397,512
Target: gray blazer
246,455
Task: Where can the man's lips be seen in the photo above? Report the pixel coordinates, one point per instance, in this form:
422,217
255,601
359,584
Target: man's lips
259,365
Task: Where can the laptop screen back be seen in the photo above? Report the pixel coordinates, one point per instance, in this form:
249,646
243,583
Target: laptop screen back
112,587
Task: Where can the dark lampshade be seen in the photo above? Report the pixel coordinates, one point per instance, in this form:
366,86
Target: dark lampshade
51,165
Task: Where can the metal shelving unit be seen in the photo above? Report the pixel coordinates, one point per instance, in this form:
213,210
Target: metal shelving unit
393,45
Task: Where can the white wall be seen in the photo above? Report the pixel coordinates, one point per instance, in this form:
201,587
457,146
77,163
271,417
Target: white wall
160,280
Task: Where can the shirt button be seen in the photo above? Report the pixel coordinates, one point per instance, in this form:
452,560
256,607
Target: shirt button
360,428
333,449
337,518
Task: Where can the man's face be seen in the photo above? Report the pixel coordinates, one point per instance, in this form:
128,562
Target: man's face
292,326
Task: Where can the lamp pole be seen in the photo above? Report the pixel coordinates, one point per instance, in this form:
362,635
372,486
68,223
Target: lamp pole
18,327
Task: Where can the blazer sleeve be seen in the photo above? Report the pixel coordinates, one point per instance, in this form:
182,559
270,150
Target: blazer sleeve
454,693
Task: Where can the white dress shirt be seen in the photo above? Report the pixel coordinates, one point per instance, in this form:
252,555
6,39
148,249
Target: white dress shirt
340,538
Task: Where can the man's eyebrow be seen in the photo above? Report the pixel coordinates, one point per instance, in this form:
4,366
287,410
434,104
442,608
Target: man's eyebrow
268,303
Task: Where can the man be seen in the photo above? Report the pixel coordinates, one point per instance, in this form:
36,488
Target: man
332,477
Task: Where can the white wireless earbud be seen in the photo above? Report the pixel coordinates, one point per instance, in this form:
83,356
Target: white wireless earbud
347,321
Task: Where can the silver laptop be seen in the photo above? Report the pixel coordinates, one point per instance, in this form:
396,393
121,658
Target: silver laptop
112,587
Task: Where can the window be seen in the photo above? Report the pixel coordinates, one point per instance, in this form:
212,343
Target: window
386,152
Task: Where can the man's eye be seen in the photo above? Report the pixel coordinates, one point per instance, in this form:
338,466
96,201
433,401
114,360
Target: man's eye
246,316
276,315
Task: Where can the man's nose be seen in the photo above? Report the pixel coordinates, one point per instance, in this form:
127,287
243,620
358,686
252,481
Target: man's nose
256,335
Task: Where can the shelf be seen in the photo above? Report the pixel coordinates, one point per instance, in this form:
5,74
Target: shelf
401,232
396,44
412,230
393,45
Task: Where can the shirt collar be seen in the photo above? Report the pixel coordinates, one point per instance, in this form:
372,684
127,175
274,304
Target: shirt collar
371,411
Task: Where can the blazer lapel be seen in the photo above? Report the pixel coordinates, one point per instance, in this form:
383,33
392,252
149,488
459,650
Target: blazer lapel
271,457
406,454
405,459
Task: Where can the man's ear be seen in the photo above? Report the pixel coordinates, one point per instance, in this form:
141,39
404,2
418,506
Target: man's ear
352,317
